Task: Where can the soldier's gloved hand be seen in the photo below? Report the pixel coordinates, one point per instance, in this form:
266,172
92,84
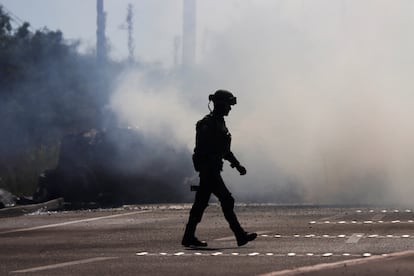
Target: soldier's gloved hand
241,169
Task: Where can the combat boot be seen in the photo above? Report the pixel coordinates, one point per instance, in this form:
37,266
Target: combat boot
245,237
193,241
189,238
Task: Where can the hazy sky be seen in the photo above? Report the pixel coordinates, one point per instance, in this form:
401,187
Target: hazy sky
156,22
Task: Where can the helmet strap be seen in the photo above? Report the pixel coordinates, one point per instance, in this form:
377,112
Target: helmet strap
209,108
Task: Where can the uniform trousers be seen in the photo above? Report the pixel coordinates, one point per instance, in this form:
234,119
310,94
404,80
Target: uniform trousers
211,182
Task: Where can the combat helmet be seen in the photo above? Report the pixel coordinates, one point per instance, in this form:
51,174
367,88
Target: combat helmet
223,97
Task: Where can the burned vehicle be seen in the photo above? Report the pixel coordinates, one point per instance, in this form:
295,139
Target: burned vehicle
116,166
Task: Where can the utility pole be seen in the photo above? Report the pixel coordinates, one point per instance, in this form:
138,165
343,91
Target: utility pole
101,51
189,33
130,27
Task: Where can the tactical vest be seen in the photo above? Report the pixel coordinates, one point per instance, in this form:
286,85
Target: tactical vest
213,142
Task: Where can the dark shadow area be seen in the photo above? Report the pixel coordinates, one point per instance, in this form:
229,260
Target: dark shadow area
114,167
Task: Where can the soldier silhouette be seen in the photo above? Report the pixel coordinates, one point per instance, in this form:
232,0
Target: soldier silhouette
212,146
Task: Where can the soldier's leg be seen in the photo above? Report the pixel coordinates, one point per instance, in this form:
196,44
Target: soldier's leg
196,213
227,205
200,204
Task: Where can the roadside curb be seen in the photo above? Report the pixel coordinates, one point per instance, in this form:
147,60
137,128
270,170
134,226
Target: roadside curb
51,205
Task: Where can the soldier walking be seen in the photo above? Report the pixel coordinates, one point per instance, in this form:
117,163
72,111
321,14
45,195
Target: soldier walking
213,142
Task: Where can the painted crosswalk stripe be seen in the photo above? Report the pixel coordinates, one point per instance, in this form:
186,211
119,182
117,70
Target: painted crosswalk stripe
78,262
354,238
72,222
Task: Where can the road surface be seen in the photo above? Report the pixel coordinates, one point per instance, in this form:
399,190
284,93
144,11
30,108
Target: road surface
145,240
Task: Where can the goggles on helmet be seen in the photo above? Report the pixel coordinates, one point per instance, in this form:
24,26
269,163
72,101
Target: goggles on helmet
223,97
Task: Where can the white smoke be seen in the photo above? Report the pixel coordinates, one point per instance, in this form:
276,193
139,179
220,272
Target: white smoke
325,100
156,110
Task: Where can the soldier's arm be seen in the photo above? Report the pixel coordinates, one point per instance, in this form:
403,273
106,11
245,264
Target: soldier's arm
234,163
229,156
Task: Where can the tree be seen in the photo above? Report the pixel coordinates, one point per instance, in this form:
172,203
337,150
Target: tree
47,89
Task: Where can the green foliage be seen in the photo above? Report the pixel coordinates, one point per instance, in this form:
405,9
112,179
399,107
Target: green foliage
47,89
5,25
19,173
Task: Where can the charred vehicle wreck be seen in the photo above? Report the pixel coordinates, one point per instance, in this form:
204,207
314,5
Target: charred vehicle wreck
116,166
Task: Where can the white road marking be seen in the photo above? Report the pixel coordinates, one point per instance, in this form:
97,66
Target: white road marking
267,254
378,217
325,266
334,217
354,238
70,222
46,267
361,222
351,239
230,238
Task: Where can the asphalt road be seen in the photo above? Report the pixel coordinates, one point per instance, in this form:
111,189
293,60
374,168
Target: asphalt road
145,240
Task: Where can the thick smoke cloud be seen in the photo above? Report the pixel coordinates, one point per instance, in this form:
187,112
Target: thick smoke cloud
325,100
157,108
